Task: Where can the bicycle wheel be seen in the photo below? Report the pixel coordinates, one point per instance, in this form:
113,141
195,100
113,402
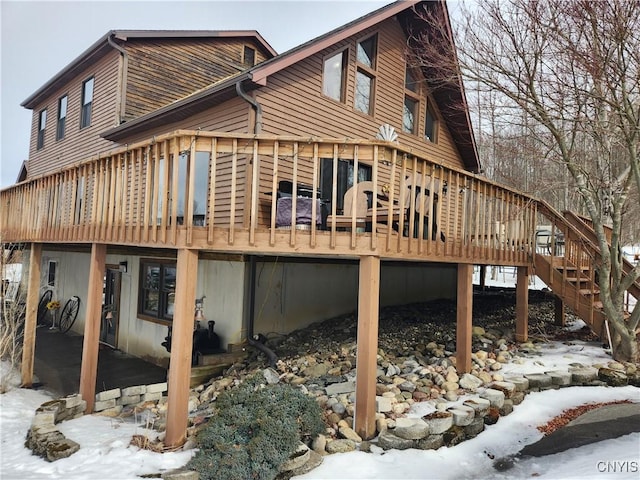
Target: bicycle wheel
69,314
42,306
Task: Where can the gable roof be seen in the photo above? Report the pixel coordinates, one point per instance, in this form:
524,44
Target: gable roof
103,46
451,98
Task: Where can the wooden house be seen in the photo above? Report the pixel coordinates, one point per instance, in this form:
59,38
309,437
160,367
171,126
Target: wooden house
284,189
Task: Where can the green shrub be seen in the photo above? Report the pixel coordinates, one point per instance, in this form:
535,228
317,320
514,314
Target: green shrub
254,431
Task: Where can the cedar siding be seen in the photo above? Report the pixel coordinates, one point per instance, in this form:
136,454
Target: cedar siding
293,103
77,144
161,71
230,117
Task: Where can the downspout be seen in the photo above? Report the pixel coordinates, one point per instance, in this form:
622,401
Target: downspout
257,127
123,77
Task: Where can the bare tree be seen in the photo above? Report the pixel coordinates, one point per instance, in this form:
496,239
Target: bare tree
565,73
12,311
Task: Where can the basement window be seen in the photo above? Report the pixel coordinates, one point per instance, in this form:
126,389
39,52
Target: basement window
157,292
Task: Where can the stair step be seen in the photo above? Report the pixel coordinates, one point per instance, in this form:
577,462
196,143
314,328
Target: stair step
587,291
578,279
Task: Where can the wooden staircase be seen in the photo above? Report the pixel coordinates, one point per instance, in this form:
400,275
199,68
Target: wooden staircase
569,268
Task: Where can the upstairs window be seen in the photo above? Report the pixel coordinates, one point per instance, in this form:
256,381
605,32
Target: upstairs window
42,123
334,74
248,56
62,117
365,74
430,125
87,102
411,103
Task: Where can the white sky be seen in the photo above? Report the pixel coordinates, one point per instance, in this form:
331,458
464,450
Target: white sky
38,39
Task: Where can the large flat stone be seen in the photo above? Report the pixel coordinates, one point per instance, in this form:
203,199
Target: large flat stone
495,397
462,415
338,388
411,428
538,380
439,422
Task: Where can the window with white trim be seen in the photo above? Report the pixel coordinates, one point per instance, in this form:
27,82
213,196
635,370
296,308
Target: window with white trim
42,123
87,102
62,117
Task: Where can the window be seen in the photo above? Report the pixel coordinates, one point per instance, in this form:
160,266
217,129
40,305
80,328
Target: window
42,123
248,56
409,115
51,273
157,289
333,76
62,116
365,75
411,103
430,125
344,180
87,102
200,187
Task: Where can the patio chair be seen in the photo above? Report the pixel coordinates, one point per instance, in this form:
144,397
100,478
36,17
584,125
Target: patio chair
420,196
345,220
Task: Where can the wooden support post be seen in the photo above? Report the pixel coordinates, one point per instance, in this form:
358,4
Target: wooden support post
559,312
483,276
31,315
366,359
89,367
464,313
522,304
181,347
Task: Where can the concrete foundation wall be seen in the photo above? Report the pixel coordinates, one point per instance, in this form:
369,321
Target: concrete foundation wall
293,295
289,295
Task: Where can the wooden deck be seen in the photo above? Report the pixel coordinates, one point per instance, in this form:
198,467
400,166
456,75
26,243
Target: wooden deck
219,192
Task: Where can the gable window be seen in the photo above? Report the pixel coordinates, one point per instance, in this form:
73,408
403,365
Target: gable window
42,123
248,56
344,180
365,75
156,295
62,117
87,102
411,103
333,76
430,125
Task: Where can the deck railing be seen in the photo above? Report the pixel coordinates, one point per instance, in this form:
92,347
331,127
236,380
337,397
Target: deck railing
222,192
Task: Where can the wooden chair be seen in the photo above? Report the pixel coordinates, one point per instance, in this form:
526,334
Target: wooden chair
420,203
355,205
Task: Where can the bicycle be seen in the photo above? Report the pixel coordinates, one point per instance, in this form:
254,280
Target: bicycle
43,311
69,314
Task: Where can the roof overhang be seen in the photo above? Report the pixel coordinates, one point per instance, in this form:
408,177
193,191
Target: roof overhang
100,48
450,96
260,73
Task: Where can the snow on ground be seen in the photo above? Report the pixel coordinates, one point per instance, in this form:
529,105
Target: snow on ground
104,445
105,452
